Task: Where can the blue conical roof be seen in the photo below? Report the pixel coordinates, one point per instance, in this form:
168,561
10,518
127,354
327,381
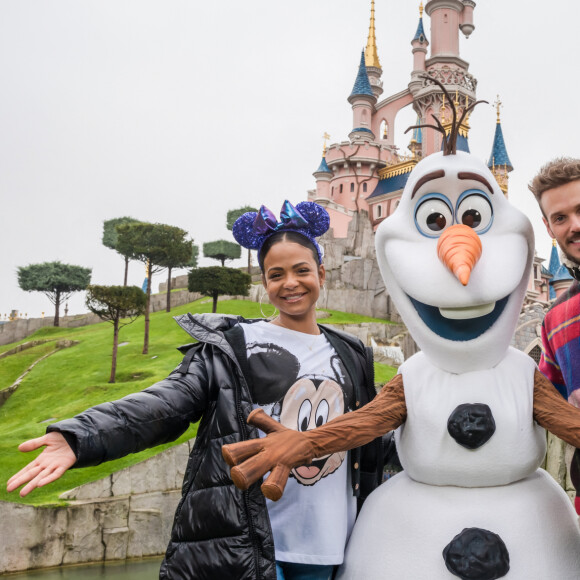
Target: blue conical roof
362,85
561,274
554,264
417,132
553,268
462,144
499,155
323,167
420,34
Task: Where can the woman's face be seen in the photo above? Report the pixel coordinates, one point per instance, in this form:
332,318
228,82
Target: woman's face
292,279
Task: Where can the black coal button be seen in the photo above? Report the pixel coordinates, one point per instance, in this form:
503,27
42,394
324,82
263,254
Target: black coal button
477,554
471,425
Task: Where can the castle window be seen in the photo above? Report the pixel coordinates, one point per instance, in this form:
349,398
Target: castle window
365,187
379,211
351,187
384,130
332,191
340,190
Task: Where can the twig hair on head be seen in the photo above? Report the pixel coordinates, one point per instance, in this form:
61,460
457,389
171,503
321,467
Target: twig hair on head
308,219
449,141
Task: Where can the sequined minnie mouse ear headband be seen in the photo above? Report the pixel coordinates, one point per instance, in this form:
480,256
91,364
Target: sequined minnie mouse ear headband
308,219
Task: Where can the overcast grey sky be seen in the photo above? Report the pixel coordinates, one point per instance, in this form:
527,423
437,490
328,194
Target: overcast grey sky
175,111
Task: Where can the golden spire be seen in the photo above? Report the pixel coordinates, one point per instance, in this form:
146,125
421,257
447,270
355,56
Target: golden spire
326,136
442,112
498,104
554,242
371,56
421,10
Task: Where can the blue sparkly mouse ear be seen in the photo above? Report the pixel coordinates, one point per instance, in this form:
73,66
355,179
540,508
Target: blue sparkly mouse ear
309,219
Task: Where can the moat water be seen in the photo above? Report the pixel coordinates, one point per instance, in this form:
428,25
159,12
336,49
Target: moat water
131,570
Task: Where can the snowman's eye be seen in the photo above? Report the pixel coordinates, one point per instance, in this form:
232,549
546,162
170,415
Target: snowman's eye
433,215
474,210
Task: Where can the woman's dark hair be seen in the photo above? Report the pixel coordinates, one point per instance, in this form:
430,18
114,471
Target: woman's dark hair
286,237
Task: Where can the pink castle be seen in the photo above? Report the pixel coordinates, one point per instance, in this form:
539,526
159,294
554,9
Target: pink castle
367,172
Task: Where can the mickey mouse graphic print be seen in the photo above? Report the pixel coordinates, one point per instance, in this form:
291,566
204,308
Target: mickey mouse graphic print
299,380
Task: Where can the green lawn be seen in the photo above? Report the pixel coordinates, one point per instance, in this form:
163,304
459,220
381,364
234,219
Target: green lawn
75,378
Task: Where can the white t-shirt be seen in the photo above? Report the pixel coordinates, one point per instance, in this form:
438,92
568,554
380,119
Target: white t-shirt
299,380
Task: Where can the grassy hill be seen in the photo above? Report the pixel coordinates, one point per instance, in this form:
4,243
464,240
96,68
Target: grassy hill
72,379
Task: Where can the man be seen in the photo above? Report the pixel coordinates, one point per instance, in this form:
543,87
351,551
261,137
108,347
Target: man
557,190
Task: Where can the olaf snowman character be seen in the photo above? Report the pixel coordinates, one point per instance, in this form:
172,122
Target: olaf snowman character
470,411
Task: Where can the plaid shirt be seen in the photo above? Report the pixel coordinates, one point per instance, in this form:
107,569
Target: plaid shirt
560,361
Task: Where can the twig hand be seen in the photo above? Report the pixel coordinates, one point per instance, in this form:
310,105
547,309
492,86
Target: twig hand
55,459
279,452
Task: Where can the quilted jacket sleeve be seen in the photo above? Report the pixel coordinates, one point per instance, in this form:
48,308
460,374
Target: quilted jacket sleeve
156,415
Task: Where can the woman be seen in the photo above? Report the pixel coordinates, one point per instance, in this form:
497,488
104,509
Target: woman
301,374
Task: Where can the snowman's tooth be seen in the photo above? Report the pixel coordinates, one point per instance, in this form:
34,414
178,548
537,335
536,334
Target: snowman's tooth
467,312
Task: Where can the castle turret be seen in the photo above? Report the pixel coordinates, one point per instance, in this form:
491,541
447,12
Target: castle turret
323,176
374,70
419,44
499,161
362,100
415,145
466,22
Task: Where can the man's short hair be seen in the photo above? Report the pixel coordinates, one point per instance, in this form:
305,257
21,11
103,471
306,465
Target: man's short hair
557,172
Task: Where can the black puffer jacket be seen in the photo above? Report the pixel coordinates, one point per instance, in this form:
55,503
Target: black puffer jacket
219,531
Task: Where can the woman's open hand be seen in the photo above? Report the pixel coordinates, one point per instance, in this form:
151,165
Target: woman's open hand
279,452
54,460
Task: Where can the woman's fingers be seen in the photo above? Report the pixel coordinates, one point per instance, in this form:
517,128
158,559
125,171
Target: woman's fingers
235,453
273,487
27,473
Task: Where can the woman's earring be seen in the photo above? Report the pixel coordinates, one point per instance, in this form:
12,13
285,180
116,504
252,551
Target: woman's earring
263,293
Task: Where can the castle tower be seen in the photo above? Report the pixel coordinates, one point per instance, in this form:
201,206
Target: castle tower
448,18
372,63
419,44
499,161
323,176
362,99
416,144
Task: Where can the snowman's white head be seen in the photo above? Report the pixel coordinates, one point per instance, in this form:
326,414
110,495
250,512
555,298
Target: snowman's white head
462,315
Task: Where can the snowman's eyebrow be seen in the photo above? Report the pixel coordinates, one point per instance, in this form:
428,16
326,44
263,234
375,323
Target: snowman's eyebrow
426,178
475,177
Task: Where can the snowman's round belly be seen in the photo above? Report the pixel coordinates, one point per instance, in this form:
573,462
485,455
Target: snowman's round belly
474,429
405,526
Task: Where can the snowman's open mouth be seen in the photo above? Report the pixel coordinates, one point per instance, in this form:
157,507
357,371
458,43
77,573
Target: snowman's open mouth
460,323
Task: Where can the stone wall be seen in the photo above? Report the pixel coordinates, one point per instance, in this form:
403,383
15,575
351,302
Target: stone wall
353,280
126,515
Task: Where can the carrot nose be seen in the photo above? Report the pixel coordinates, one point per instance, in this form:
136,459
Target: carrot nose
459,248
